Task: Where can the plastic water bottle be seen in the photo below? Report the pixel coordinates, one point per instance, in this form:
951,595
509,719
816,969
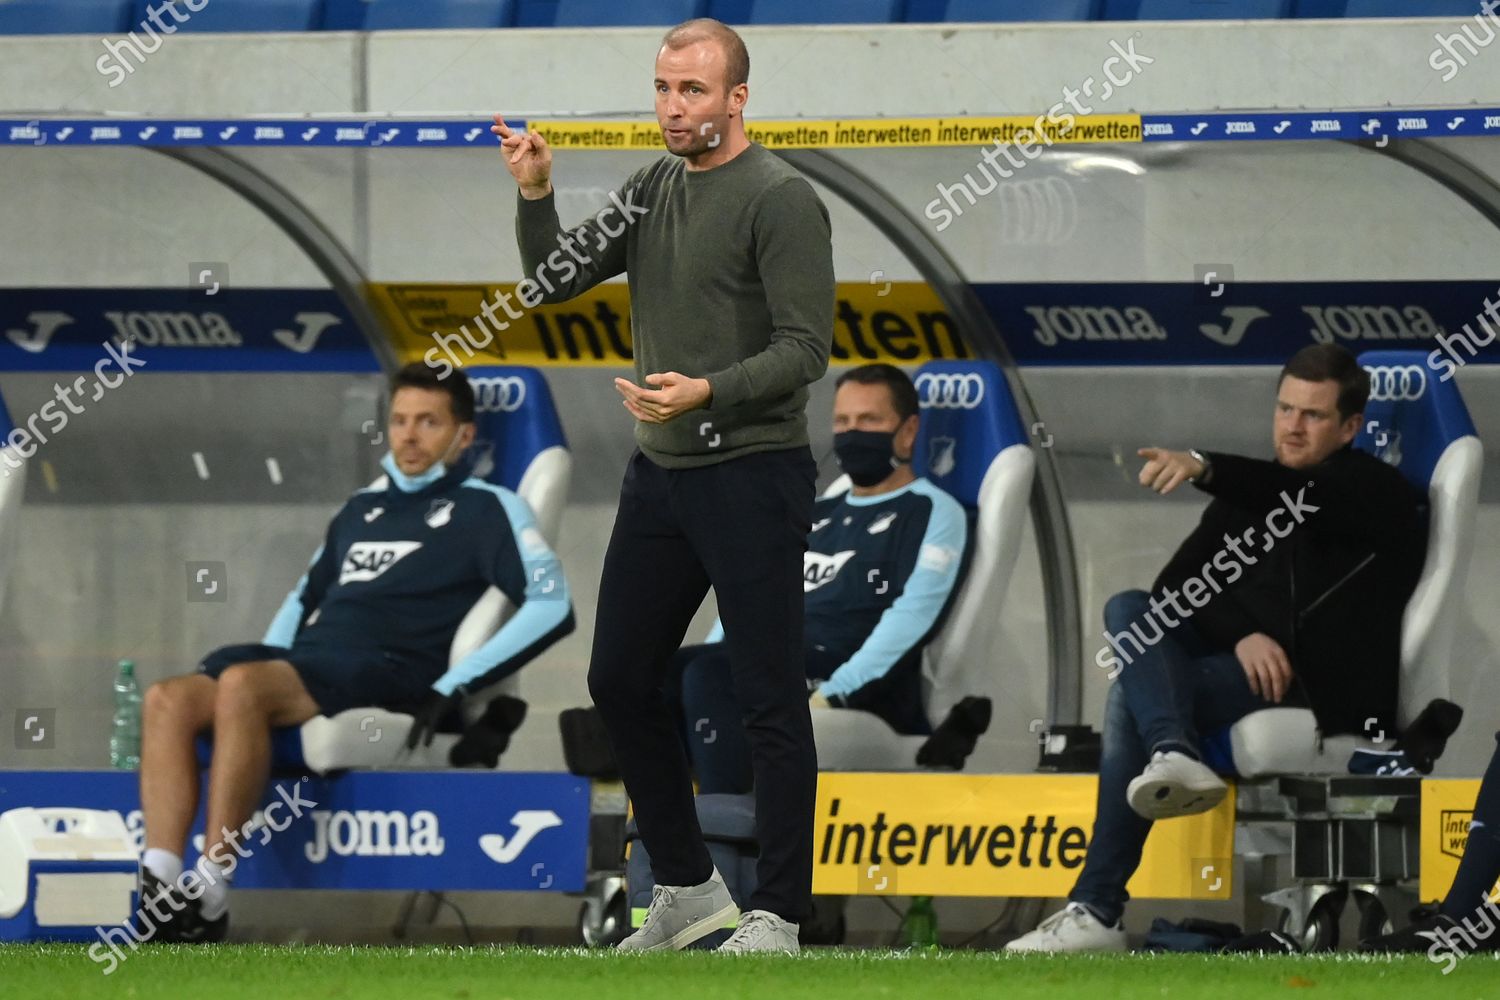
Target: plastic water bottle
125,738
919,926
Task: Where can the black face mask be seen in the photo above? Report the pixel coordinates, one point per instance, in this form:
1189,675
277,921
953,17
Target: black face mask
867,456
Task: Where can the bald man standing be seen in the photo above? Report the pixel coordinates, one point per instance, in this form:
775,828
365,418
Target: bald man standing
730,263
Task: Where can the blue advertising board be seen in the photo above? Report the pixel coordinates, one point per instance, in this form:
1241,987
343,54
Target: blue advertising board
401,830
180,330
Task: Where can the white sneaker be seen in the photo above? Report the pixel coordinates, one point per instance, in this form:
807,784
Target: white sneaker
1174,784
762,930
681,914
1073,928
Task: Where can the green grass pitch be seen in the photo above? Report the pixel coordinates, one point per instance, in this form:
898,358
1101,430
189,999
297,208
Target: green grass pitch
264,972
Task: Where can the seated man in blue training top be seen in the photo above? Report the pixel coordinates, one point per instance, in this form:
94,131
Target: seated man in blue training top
371,623
1290,591
882,565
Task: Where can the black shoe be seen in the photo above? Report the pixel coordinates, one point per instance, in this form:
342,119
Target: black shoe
154,916
1429,926
165,915
191,928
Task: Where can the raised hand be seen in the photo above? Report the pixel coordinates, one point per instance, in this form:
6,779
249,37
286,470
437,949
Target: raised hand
527,157
1165,470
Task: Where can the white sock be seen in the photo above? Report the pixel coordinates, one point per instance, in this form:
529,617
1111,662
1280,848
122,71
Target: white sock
163,864
215,898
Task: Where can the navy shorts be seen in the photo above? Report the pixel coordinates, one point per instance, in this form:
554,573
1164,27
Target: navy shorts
338,679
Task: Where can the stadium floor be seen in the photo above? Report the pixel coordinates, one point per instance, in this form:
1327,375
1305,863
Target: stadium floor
262,971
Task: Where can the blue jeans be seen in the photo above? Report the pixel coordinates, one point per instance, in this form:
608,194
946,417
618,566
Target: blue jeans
1175,689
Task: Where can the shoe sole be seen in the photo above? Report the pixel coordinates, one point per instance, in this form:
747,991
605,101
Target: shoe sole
694,931
1163,799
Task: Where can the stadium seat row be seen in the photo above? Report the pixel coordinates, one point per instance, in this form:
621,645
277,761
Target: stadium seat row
38,17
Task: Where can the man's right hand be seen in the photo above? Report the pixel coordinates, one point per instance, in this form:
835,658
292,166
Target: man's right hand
1266,666
527,157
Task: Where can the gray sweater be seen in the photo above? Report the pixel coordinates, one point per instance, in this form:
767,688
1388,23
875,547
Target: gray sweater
731,279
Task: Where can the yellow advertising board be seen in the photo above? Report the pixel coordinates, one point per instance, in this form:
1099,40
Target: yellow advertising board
996,835
476,324
1447,808
859,133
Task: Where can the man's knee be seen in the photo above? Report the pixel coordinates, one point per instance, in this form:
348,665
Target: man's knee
241,690
1126,608
186,697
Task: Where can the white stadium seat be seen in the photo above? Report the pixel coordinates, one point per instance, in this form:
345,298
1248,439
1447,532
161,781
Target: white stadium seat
12,486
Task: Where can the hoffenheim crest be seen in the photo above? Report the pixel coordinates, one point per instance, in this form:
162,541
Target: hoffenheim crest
440,513
940,459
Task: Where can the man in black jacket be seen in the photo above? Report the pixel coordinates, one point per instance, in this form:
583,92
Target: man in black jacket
1290,591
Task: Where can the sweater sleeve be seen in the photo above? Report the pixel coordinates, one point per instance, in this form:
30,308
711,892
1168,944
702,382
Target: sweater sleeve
567,263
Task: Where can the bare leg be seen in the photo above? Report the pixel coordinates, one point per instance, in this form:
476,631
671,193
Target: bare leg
176,711
252,698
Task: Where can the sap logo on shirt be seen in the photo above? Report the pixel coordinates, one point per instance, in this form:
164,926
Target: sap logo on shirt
440,513
818,569
367,560
882,522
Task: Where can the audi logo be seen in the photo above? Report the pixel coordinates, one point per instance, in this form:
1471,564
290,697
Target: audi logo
1401,383
498,394
949,391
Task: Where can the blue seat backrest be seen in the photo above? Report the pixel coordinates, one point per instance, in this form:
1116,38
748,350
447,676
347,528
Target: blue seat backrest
1411,8
1022,10
968,417
614,13
1413,415
381,15
1227,10
65,17
826,12
515,421
1318,8
238,15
